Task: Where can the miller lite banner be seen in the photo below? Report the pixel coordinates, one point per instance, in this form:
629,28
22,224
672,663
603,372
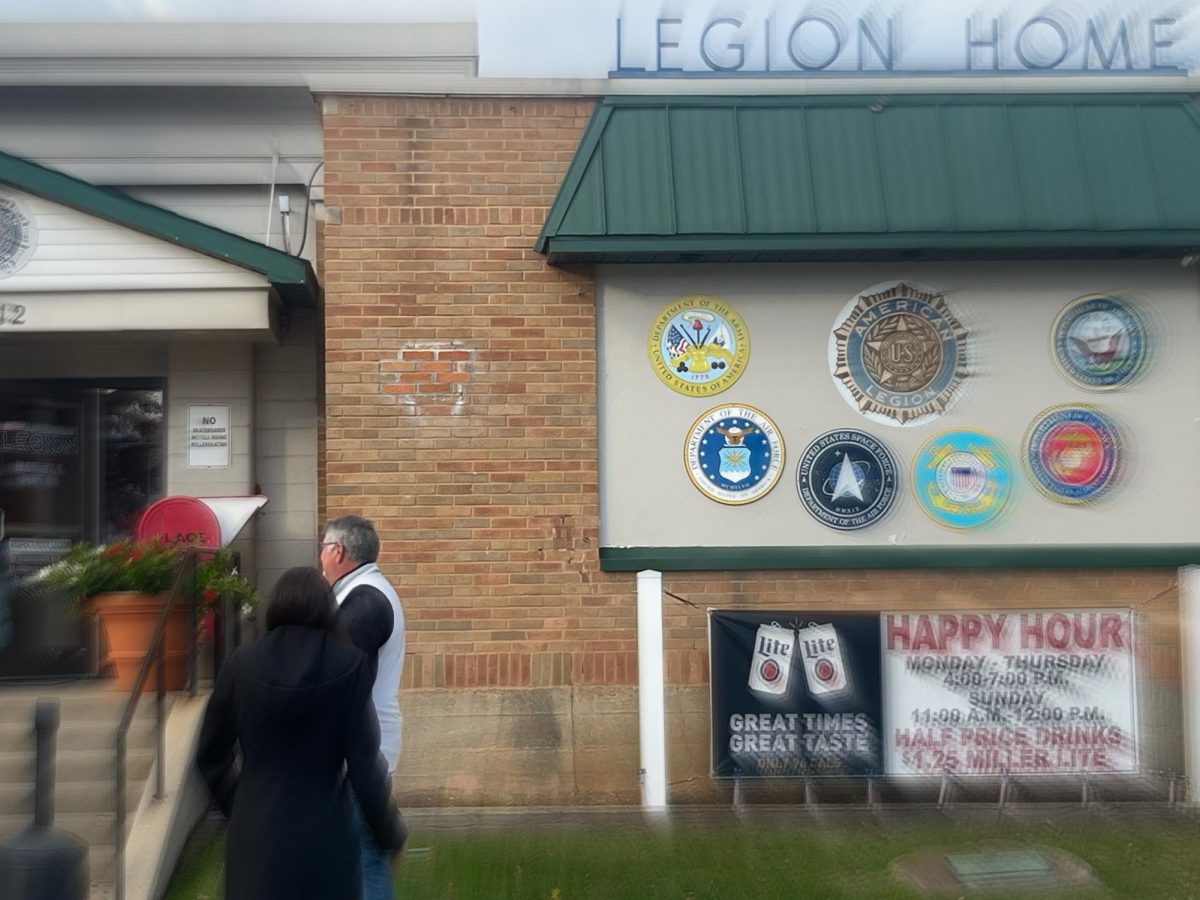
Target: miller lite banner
795,693
1020,692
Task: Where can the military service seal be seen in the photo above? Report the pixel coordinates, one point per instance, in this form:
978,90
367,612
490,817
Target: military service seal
898,354
734,454
962,479
699,346
847,479
18,235
1099,342
1072,453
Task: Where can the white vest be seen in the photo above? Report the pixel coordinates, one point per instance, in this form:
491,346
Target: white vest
386,694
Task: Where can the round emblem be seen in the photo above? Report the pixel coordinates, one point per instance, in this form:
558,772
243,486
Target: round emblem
1072,453
1099,342
962,479
770,671
898,355
824,670
699,346
18,235
847,479
734,454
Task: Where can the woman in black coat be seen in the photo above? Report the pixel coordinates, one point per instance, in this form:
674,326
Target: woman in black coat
297,703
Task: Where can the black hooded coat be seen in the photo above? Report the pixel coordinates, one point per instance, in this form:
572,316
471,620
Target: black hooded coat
297,703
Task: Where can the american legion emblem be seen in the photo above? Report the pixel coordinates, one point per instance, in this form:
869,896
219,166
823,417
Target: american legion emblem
18,235
898,355
699,346
734,454
962,479
847,479
1099,342
1072,453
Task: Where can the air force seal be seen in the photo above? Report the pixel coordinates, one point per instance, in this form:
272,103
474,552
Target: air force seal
898,355
699,346
1099,342
962,479
734,454
1072,453
847,479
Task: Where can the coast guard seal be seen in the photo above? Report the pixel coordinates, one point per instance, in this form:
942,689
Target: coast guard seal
898,354
847,479
1072,453
734,454
18,235
1099,342
962,479
699,346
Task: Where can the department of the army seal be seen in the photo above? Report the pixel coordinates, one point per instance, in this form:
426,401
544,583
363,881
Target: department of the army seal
18,235
847,479
699,346
734,454
898,354
1099,342
1072,453
962,479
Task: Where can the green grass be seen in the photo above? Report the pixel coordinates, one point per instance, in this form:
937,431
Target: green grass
732,863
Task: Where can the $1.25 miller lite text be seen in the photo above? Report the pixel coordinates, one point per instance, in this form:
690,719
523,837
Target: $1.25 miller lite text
771,664
824,665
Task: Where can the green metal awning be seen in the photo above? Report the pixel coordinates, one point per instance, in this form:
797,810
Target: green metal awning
293,278
676,179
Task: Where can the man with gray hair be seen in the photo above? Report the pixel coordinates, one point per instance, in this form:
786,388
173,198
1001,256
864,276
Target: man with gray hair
370,616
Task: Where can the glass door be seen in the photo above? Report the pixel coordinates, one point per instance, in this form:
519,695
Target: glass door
78,461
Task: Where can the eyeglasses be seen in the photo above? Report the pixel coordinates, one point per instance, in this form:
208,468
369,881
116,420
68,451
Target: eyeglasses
325,544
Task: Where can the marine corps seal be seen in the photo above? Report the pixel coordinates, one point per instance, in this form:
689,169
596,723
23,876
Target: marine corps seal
898,354
699,346
1072,453
847,479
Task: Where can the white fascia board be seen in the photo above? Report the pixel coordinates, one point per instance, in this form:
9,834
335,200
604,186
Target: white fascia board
137,311
227,54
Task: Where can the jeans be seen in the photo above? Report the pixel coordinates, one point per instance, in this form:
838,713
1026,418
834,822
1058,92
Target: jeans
375,864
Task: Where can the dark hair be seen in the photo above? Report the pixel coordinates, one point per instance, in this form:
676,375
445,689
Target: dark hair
357,535
302,596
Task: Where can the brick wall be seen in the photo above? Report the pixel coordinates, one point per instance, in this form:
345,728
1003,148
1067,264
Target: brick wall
461,388
460,414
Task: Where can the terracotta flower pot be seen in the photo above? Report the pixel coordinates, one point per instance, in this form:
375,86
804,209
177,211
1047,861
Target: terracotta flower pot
127,622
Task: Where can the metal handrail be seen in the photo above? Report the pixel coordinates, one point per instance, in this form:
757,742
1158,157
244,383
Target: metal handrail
156,656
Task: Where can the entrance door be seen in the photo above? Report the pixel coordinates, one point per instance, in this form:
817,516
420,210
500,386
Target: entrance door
78,461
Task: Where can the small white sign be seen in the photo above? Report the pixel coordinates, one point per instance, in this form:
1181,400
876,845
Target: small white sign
208,437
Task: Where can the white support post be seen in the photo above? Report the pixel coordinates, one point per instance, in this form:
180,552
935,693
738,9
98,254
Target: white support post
1189,638
651,706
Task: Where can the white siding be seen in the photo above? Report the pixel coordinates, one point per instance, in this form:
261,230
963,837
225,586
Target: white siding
79,252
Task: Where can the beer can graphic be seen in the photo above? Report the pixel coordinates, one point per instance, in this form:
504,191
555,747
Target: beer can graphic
824,664
771,662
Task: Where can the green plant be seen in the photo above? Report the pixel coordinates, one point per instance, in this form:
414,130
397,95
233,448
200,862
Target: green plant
146,567
150,567
217,576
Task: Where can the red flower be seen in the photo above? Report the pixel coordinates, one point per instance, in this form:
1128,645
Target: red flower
207,627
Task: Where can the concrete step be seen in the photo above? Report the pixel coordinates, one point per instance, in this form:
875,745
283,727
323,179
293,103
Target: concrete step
86,701
70,798
77,735
77,765
85,757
